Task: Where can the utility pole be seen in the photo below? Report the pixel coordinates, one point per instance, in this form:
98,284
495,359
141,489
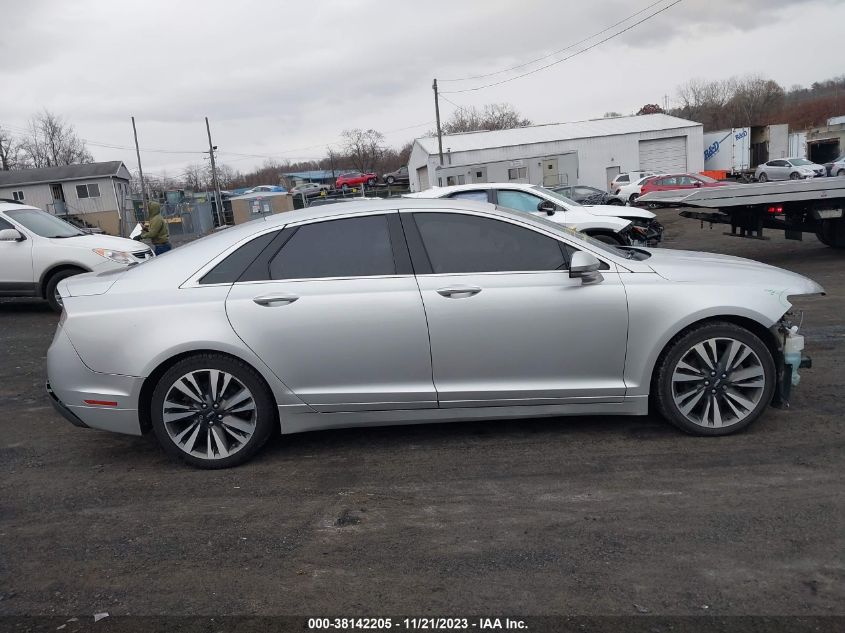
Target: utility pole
437,116
217,197
141,172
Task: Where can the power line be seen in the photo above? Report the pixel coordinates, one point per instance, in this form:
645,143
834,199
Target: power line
568,57
560,50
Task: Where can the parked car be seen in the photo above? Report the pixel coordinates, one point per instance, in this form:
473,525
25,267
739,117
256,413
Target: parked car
409,311
310,189
836,167
266,189
38,250
586,195
671,182
400,176
355,179
625,179
608,223
628,194
788,169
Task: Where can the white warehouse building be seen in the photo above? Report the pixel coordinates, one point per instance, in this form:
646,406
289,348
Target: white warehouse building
584,152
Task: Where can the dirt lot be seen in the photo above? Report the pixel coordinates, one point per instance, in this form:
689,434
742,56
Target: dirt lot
581,515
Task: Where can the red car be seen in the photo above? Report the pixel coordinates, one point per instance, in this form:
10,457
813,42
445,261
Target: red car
354,179
669,182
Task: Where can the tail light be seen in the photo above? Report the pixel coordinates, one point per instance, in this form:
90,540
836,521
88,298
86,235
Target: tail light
775,210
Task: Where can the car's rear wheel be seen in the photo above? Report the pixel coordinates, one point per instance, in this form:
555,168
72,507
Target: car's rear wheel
832,233
714,379
51,291
632,199
764,177
212,411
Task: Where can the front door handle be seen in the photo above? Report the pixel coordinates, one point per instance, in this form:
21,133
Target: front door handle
271,301
459,292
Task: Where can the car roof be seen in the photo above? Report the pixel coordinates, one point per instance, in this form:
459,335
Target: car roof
13,206
439,192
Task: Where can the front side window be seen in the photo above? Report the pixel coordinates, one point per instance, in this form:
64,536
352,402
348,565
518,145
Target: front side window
459,243
518,200
351,247
480,196
88,191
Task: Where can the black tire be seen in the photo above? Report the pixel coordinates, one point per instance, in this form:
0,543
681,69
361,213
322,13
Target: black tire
841,172
615,202
607,238
632,199
53,281
265,407
371,182
679,346
390,180
763,177
832,233
794,175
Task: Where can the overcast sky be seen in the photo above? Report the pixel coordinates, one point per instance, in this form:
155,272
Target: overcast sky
283,79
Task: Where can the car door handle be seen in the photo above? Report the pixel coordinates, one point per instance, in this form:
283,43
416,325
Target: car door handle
271,301
459,292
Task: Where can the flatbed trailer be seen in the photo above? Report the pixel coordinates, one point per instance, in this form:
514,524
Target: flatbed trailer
793,206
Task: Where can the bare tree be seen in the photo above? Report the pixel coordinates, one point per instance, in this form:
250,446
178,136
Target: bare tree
755,99
364,148
226,176
195,177
493,116
51,141
10,151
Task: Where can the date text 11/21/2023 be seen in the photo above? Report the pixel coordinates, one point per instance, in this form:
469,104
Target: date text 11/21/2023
416,624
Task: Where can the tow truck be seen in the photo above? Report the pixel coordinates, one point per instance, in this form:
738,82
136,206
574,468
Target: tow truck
793,206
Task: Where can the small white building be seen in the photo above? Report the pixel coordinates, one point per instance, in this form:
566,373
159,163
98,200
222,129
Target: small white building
584,152
96,194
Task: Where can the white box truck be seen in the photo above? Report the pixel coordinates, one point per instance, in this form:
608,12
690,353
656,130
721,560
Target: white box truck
739,150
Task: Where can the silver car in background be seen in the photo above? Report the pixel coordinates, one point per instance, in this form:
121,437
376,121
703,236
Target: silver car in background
405,311
789,169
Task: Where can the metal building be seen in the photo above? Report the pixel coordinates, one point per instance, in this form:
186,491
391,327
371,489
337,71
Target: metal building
584,152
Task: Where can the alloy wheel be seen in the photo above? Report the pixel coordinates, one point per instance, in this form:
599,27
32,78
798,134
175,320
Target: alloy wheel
718,382
209,414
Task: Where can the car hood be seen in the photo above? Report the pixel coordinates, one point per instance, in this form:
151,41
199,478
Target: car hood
102,241
685,266
618,211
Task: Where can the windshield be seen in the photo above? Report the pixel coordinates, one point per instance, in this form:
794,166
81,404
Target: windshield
572,233
557,196
800,161
704,178
43,224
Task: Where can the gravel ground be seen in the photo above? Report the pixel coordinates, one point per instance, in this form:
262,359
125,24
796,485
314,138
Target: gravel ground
595,516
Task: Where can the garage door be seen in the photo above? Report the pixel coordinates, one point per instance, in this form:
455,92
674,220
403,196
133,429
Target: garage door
422,176
664,155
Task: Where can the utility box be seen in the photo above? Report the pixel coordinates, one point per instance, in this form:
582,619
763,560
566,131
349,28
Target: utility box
258,205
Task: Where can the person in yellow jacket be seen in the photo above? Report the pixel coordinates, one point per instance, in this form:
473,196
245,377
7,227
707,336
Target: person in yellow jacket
157,233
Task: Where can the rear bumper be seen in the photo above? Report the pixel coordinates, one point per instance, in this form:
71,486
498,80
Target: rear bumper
90,399
62,409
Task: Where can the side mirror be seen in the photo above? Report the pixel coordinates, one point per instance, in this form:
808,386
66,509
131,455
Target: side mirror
548,206
697,183
585,266
11,235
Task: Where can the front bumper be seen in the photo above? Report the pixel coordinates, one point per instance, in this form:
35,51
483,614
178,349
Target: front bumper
784,390
647,234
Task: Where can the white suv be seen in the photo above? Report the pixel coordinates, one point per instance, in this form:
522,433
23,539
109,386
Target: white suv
613,224
626,179
38,250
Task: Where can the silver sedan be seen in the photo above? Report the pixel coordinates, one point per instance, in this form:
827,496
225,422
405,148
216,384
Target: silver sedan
408,311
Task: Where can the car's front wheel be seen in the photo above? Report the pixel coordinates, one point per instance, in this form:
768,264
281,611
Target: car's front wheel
715,379
51,290
212,411
794,175
390,180
763,177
